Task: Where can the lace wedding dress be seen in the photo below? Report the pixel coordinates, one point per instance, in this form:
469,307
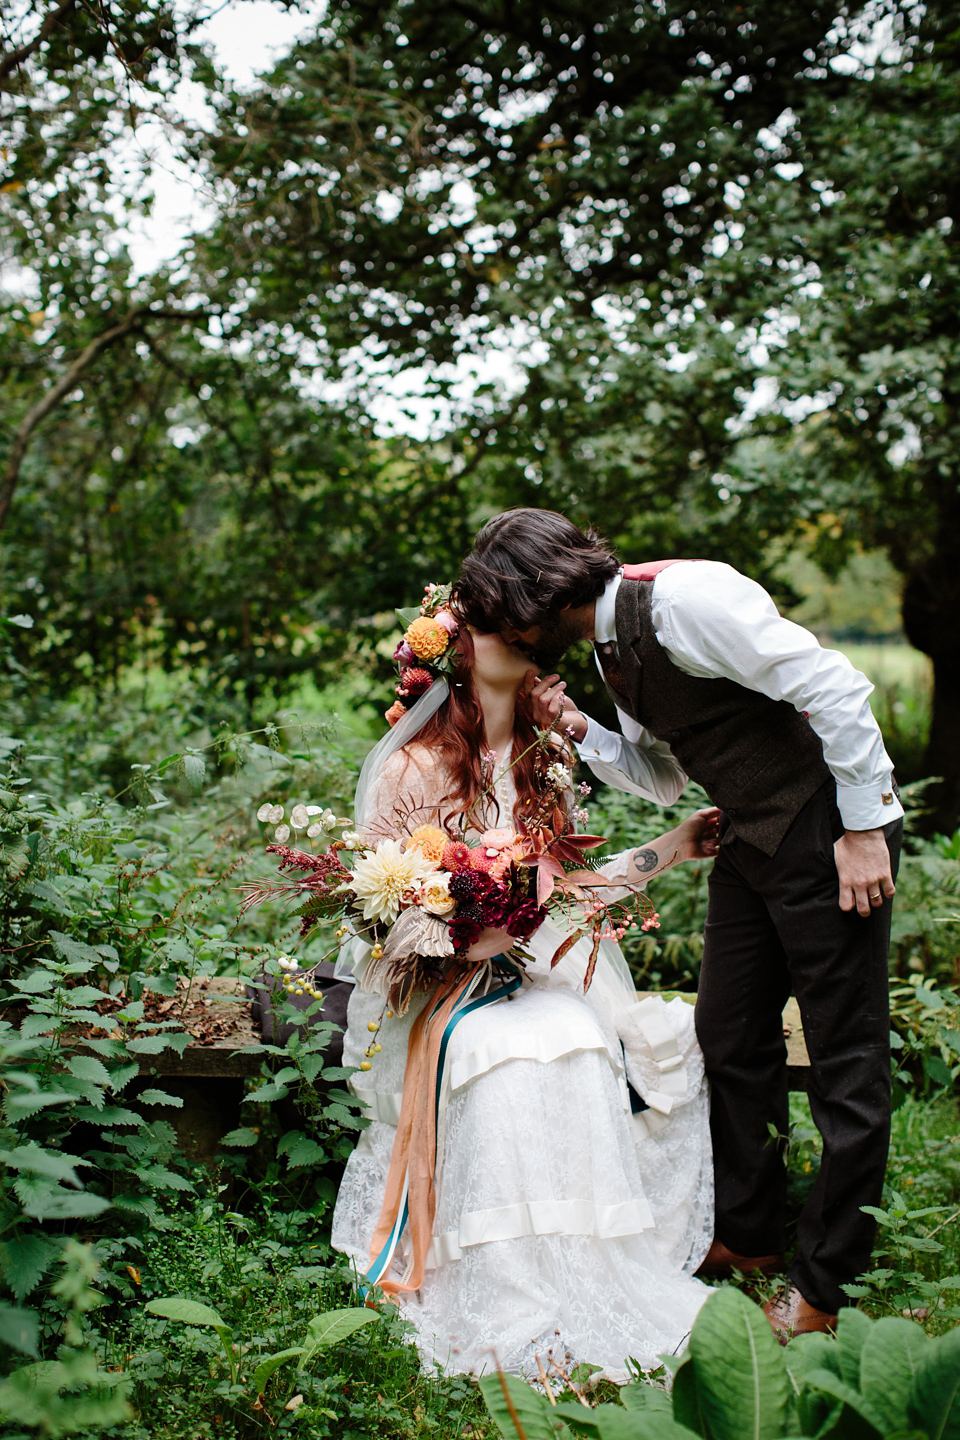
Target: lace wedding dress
567,1227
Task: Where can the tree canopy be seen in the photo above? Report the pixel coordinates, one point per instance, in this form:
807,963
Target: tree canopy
621,216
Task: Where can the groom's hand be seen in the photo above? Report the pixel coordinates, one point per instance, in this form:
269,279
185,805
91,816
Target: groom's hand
552,707
863,866
549,701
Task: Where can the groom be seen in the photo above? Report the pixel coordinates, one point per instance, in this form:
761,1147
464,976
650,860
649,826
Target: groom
711,683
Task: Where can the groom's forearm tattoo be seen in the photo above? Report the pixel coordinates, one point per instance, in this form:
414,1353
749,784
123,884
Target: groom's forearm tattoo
645,860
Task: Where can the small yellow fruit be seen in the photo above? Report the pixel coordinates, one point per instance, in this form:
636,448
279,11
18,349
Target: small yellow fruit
389,1014
364,1064
373,1025
377,1049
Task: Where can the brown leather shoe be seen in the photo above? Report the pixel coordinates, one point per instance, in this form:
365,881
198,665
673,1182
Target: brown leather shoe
720,1263
791,1315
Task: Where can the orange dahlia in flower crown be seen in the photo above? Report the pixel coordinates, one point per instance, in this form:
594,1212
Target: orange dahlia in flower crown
427,638
430,841
395,713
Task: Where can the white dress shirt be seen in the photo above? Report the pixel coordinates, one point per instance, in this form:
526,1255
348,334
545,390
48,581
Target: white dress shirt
713,622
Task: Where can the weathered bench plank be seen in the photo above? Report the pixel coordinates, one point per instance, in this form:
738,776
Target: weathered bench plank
237,1052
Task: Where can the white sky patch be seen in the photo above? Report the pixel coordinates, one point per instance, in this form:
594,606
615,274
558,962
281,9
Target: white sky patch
247,37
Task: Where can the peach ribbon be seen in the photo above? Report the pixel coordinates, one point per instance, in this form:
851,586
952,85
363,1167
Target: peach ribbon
413,1157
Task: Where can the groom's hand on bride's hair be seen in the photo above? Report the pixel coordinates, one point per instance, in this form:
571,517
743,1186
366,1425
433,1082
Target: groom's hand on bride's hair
863,868
550,702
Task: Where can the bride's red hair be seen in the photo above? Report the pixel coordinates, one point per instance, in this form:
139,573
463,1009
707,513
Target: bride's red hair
458,732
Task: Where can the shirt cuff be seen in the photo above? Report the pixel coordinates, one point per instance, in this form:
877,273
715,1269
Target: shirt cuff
868,807
599,744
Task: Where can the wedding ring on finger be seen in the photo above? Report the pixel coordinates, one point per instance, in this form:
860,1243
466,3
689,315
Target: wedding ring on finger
874,898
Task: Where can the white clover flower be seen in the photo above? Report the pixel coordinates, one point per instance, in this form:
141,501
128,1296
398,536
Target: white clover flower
381,878
299,817
281,835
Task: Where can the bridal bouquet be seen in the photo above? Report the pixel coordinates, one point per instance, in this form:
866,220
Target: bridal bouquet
422,900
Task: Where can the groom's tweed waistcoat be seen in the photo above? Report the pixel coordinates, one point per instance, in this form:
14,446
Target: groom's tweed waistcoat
757,758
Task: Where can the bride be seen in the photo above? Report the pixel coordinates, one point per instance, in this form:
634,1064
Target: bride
572,1196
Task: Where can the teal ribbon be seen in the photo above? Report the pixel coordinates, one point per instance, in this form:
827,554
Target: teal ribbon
382,1263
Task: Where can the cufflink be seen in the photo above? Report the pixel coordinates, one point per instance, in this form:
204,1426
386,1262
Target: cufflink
887,797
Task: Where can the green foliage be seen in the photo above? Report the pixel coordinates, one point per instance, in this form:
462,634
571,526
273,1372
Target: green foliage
875,1379
899,1287
323,1331
667,958
71,1394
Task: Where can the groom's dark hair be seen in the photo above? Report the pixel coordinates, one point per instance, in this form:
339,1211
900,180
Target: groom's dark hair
527,566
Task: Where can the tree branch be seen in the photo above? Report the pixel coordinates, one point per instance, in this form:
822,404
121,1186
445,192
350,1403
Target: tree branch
52,398
23,52
66,382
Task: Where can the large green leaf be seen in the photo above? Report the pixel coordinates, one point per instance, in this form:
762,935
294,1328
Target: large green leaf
332,1327
610,1422
686,1397
829,1384
189,1312
853,1327
519,1411
649,1398
24,1260
37,1161
889,1361
265,1369
53,1203
811,1352
739,1367
934,1404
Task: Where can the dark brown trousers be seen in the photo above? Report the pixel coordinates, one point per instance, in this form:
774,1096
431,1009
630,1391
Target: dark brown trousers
774,928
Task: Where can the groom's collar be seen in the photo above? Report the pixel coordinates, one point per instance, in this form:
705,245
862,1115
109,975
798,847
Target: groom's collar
605,617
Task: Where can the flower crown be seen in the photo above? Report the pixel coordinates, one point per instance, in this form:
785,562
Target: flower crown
426,649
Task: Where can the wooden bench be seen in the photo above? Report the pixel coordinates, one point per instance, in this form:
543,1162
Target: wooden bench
210,1075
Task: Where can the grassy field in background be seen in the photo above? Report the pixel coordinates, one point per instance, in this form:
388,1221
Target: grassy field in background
890,664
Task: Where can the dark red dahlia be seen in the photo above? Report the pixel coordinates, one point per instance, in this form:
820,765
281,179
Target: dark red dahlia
463,886
416,680
463,933
497,906
527,917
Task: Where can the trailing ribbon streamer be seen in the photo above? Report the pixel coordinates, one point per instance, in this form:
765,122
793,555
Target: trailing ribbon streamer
409,1197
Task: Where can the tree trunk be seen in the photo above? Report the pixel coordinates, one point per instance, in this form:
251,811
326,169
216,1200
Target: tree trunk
931,620
943,750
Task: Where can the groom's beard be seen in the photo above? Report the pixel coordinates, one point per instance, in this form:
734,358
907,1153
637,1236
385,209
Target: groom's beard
553,642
